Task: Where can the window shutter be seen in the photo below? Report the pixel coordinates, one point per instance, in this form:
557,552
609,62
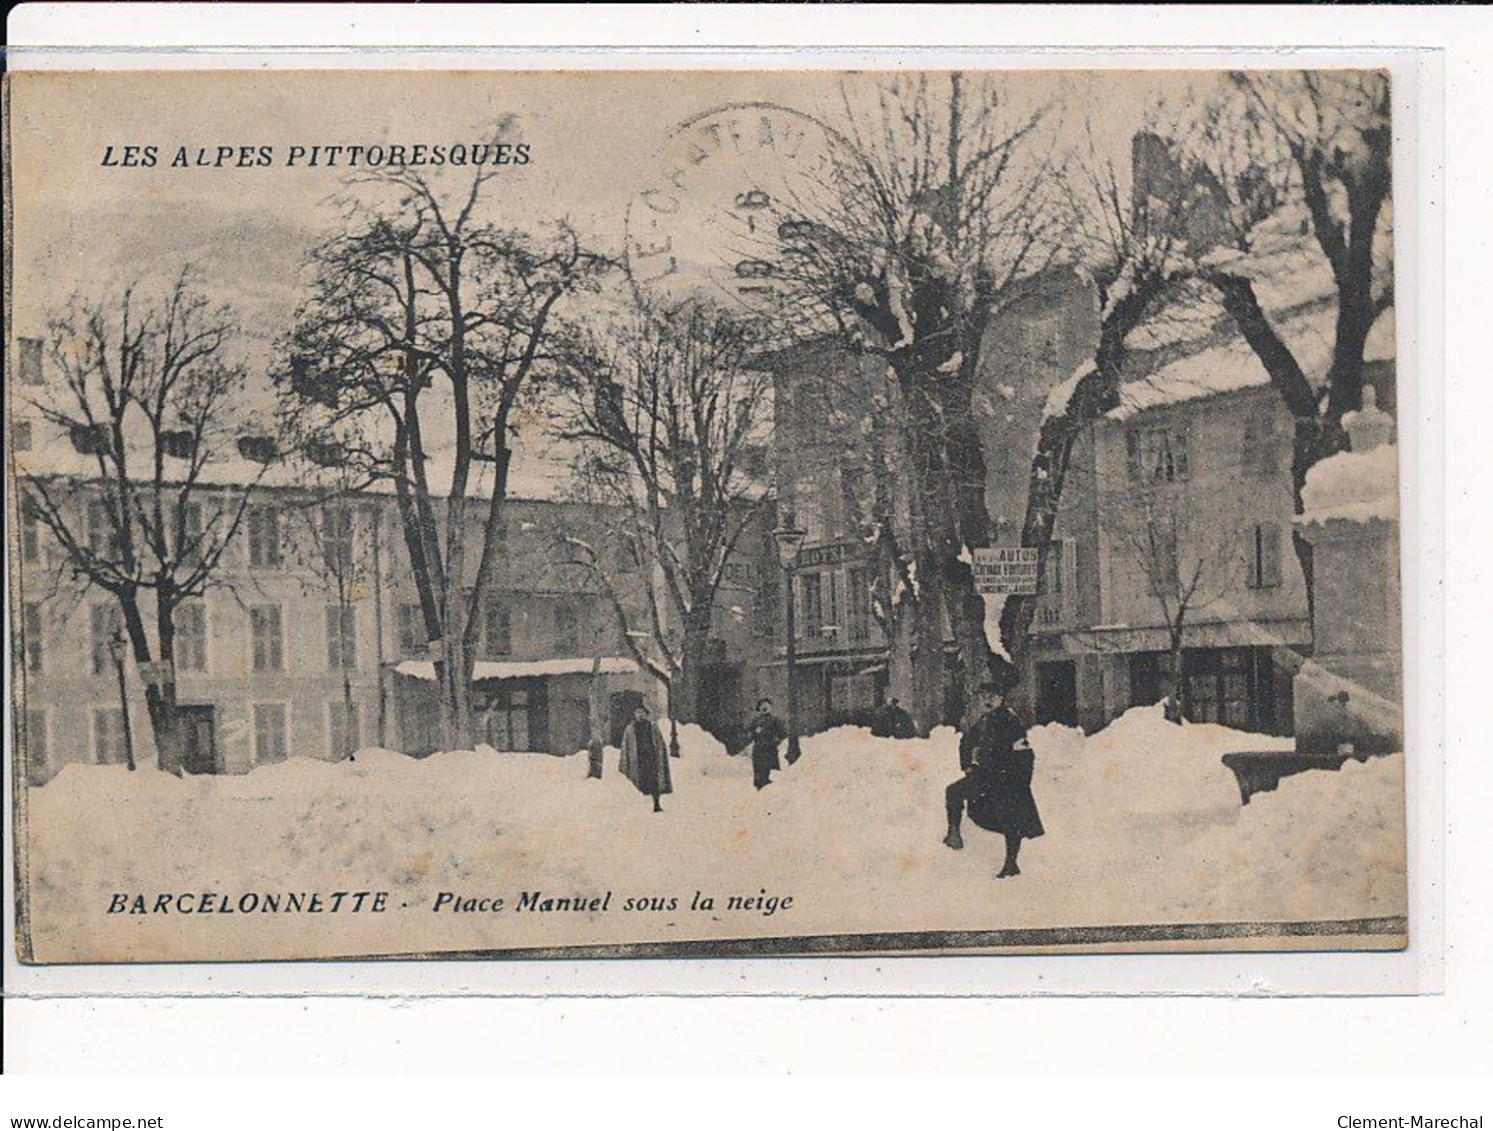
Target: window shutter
1179,455
1269,555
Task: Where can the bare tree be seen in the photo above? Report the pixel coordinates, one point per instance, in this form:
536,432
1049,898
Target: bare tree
1133,246
1287,154
668,411
930,213
1170,537
426,326
146,392
1259,171
335,540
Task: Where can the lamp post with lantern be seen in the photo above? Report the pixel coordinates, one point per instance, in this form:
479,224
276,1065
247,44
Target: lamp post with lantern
790,539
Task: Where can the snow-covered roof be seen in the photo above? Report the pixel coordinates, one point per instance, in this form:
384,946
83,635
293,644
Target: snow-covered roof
525,669
1353,487
539,470
1230,366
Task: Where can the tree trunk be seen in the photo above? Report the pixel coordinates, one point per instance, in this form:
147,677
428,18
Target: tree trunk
456,694
169,745
160,702
684,705
899,666
1171,681
1096,393
928,638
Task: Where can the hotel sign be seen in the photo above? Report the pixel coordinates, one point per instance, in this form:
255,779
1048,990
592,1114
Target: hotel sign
826,555
1006,571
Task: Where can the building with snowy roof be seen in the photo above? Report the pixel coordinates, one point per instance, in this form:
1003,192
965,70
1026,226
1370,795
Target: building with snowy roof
308,642
1184,491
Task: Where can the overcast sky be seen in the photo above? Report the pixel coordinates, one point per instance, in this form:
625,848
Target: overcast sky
597,140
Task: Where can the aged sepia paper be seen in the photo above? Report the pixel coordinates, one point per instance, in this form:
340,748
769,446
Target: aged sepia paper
481,514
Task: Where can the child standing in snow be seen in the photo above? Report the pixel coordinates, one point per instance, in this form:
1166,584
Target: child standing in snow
996,788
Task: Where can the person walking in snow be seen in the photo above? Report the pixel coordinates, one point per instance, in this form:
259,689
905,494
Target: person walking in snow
766,731
996,789
645,758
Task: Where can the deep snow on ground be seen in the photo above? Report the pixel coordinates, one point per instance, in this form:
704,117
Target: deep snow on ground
1143,825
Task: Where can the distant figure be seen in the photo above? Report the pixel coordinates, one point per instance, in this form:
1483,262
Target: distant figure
893,721
645,758
996,788
766,732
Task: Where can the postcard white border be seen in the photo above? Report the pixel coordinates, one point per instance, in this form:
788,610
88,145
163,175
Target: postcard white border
1416,971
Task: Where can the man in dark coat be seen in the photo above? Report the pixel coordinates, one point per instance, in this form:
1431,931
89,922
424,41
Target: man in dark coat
996,788
766,732
645,759
892,721
899,722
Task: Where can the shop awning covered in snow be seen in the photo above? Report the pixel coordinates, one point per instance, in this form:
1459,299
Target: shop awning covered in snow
524,669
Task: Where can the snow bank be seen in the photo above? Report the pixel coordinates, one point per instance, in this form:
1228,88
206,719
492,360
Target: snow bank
1143,826
1355,486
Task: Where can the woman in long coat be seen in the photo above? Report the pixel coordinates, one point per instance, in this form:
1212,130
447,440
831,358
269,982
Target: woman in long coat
645,758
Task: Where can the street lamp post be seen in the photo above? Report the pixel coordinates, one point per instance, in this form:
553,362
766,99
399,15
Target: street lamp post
116,650
790,540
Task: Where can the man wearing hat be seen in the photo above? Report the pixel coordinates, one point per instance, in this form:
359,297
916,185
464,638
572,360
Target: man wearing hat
996,788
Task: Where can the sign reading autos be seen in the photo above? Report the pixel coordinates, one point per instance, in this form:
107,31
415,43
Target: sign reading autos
1006,570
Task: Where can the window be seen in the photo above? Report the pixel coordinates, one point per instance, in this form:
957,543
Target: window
858,603
189,523
109,745
20,436
849,694
267,637
1156,455
104,626
497,628
103,541
191,637
31,629
412,638
831,604
1264,557
503,719
270,732
178,444
337,539
344,732
1055,587
30,530
30,361
1230,686
1052,573
810,605
342,637
567,629
1260,451
36,738
265,550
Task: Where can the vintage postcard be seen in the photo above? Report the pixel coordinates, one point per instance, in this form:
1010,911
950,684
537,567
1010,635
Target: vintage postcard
690,513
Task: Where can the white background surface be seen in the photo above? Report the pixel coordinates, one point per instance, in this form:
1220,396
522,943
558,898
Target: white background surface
1393,1040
